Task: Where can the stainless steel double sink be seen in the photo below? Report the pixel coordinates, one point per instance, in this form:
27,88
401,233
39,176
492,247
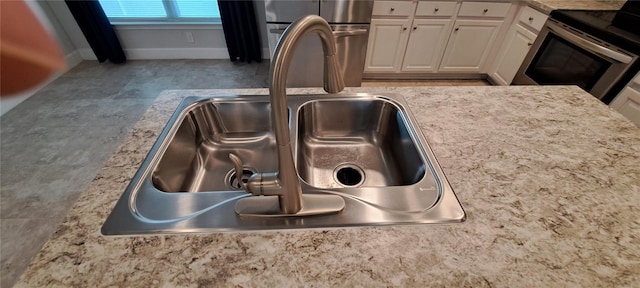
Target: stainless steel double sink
362,147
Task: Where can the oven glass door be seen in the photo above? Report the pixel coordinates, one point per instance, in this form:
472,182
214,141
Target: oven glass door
559,62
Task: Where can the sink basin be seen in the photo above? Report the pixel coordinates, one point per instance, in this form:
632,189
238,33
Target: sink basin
197,157
356,143
362,147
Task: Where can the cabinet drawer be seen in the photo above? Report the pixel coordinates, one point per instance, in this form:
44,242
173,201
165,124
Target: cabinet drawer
637,79
533,18
436,8
628,104
392,8
484,9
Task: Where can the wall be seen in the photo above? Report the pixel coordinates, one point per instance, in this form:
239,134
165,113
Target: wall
179,41
158,41
62,14
56,28
182,41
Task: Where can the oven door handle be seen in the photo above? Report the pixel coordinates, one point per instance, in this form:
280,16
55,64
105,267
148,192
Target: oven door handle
593,47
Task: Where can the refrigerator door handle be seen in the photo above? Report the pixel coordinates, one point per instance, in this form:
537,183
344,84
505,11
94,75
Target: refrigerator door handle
335,33
277,30
350,32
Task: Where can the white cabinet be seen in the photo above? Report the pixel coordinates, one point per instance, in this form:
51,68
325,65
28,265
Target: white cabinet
532,18
436,8
628,104
427,40
484,9
516,49
388,8
516,45
421,29
470,45
387,40
396,36
628,101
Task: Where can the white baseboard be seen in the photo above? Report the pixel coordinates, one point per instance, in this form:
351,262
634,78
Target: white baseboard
7,103
165,53
176,53
181,53
87,54
74,58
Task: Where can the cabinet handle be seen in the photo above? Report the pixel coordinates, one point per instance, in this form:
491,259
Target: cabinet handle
529,44
415,28
436,10
530,18
392,9
404,28
457,29
486,10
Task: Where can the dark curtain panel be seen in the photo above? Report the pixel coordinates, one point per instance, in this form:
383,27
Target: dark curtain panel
96,28
241,30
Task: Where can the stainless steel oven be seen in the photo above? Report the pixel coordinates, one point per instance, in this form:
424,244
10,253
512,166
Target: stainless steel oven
563,55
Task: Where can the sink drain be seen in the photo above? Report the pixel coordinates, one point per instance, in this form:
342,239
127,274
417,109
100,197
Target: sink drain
349,175
232,178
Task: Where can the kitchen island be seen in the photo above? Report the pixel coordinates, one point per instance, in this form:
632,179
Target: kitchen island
549,178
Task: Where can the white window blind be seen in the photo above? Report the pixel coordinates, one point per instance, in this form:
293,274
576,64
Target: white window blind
161,10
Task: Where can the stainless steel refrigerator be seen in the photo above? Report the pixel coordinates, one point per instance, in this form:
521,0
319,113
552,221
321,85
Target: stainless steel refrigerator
349,19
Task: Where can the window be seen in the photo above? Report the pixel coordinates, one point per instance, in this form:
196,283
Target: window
161,10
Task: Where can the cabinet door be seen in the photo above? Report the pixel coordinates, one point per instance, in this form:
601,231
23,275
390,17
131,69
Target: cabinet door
427,40
387,41
512,54
469,45
628,104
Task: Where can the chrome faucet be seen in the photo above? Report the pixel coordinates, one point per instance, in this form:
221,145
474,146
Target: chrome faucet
285,183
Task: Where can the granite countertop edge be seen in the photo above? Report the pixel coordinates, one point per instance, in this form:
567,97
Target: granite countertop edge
547,6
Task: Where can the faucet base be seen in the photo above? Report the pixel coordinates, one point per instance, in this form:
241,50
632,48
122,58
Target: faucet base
269,206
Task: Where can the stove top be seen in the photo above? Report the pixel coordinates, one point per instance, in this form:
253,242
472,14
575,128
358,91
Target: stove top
603,25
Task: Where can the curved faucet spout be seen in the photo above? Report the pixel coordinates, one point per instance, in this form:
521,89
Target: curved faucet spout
291,197
285,183
333,80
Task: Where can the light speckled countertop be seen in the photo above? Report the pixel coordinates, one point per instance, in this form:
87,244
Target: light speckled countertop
549,177
549,5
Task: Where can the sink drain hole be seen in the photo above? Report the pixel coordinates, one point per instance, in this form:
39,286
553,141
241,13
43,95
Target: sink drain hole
233,181
349,175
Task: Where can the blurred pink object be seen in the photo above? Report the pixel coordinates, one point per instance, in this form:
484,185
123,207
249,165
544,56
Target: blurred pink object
28,53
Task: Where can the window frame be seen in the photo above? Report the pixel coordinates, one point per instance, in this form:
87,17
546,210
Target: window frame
171,8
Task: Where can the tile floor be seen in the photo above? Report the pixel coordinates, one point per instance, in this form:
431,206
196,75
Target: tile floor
54,143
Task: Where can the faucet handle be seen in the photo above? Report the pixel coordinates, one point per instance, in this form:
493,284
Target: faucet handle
237,163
